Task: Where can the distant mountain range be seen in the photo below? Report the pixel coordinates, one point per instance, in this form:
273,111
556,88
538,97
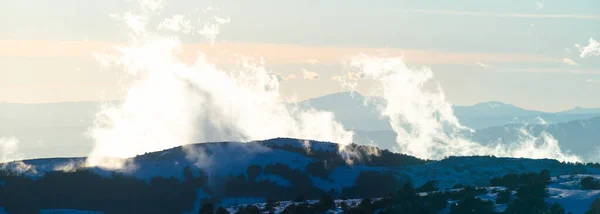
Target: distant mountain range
579,137
494,122
358,112
58,129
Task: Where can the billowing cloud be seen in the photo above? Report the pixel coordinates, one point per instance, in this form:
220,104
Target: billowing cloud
592,49
9,155
310,75
172,103
424,121
569,61
8,149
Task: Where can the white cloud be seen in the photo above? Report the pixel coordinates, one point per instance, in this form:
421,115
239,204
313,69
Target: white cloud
592,49
310,75
539,6
210,30
569,61
172,103
8,149
177,24
483,65
425,124
9,153
313,61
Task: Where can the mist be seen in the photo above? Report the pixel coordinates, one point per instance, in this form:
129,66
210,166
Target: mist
171,103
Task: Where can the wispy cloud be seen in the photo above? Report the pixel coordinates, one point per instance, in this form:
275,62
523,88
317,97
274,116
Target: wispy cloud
539,6
592,49
310,75
349,76
481,64
223,52
505,15
592,81
573,70
569,61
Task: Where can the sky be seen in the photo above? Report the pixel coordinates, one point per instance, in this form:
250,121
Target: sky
518,52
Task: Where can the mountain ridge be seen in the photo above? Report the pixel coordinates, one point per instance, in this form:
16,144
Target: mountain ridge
60,131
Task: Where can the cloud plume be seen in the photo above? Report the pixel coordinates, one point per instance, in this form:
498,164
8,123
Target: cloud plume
424,122
171,103
10,158
8,149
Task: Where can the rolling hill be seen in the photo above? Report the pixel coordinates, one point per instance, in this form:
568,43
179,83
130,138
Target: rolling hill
237,173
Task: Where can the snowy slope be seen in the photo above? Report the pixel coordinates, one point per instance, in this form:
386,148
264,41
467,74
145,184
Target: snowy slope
562,189
220,160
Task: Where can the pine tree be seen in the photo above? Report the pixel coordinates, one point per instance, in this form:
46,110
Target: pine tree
207,208
595,208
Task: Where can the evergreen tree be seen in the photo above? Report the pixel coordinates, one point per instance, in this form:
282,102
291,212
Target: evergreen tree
589,183
595,207
556,208
208,208
429,186
504,196
221,210
471,204
530,200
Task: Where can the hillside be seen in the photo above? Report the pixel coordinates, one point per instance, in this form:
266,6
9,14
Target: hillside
280,169
564,190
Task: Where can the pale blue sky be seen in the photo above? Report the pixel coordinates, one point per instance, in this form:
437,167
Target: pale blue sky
496,27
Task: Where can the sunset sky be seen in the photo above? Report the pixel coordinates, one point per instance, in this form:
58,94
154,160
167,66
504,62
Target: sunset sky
519,52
